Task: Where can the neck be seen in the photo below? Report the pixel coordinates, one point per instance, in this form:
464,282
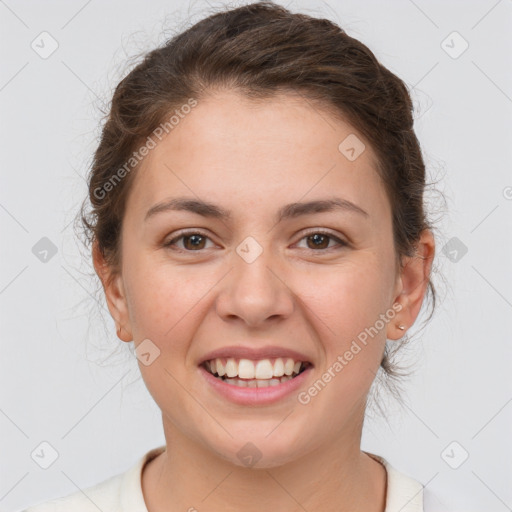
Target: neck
188,477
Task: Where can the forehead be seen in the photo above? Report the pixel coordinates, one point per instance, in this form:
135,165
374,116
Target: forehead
280,149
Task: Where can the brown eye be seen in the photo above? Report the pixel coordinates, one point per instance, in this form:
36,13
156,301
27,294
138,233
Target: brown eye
319,240
192,242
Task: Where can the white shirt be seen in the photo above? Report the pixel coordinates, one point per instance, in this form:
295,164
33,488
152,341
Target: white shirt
123,492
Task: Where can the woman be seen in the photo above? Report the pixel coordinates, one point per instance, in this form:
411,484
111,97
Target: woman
259,230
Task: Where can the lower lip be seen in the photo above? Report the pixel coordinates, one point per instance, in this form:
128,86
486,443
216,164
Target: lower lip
255,396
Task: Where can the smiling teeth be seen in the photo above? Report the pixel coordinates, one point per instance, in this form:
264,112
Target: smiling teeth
255,383
265,370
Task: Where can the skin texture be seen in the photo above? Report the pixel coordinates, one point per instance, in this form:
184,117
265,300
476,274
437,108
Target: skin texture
253,158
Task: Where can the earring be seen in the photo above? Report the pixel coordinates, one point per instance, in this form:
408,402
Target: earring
401,327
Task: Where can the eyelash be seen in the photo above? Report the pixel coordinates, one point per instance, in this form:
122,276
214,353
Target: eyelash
341,243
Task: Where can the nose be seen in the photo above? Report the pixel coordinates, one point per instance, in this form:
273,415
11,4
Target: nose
255,293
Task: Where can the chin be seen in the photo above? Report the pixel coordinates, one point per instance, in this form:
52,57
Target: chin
259,452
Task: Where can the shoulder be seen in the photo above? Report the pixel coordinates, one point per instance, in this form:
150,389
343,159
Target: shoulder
403,493
104,496
433,503
122,492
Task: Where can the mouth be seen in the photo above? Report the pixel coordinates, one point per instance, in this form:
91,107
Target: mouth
255,373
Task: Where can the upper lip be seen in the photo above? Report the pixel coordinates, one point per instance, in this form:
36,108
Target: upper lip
240,352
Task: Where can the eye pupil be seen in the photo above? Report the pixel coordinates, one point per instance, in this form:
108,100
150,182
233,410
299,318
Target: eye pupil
196,238
318,238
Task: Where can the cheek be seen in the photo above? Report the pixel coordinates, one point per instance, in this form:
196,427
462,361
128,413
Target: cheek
347,318
348,309
167,307
164,297
351,296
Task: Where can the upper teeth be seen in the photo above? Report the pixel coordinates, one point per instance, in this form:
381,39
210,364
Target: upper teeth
248,369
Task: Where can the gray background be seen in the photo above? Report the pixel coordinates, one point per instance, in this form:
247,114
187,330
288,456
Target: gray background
58,383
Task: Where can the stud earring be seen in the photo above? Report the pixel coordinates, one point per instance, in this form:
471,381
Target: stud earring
401,327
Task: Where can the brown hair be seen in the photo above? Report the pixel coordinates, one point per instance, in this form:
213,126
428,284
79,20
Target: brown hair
262,49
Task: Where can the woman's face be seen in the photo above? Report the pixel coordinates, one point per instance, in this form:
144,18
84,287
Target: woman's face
307,282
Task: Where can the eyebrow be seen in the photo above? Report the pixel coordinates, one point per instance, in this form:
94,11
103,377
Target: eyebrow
289,211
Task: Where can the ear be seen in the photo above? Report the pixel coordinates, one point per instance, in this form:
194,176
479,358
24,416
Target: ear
412,285
114,294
